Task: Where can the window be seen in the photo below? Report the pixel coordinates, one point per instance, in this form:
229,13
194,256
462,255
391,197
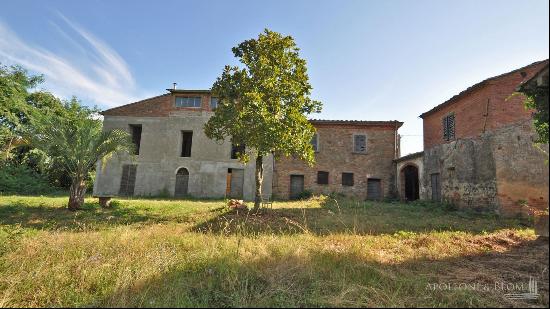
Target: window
186,142
315,142
449,127
236,150
359,143
322,178
135,131
347,179
213,103
188,101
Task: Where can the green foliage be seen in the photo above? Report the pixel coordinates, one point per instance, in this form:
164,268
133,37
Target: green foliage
75,139
22,180
538,100
304,195
264,105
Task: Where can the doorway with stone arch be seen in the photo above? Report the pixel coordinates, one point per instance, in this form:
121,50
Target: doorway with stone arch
182,182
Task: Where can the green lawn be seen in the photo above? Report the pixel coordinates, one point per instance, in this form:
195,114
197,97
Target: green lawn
320,252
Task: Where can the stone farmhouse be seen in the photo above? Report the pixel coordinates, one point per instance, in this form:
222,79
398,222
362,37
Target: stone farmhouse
478,152
478,148
173,155
353,158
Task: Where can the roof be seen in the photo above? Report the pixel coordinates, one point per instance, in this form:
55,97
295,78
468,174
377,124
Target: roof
189,90
533,82
357,122
477,86
409,156
133,103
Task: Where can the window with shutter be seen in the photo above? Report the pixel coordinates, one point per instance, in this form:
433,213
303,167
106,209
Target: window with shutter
448,123
347,179
315,142
128,180
322,178
360,143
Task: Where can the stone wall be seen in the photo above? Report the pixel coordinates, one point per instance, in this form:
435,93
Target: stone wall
499,171
416,160
336,156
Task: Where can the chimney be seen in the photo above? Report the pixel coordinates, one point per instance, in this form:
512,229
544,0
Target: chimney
174,85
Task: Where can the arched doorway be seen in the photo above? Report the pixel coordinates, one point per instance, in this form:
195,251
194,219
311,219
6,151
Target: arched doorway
409,183
182,182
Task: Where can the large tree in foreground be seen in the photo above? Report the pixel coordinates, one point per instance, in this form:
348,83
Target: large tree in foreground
77,141
265,104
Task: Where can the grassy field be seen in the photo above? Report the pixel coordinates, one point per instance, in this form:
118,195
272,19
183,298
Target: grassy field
319,252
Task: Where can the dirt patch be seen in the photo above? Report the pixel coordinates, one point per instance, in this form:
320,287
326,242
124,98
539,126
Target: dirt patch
503,272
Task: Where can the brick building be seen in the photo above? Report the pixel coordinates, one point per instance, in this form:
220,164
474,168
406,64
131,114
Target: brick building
479,151
353,158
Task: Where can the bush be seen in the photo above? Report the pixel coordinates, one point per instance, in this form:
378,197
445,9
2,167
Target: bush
23,180
304,195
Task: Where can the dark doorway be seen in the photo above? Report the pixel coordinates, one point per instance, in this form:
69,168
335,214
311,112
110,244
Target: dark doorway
296,186
412,192
374,189
182,182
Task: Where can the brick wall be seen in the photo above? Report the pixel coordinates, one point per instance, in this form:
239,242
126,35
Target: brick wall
159,106
336,156
485,107
492,164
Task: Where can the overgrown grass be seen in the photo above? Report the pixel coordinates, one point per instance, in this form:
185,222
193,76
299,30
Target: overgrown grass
319,252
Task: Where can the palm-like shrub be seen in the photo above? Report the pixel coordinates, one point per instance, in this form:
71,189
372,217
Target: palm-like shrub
77,140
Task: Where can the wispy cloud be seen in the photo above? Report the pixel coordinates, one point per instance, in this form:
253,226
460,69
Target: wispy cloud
97,74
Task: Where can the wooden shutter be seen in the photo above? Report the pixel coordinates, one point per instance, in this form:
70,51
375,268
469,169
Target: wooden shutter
436,187
322,178
360,143
347,179
315,142
451,126
445,129
182,183
237,183
128,180
296,185
374,189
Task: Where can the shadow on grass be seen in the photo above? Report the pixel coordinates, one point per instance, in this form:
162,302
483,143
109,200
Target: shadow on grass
355,217
326,277
90,217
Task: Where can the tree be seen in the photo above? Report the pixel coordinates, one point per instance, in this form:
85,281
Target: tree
76,140
15,84
265,104
537,99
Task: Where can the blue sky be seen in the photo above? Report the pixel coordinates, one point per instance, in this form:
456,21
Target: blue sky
368,60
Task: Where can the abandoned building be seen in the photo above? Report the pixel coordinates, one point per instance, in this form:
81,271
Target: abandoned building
173,156
479,152
479,149
353,158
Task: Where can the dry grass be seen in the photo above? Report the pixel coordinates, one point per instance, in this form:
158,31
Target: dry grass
319,252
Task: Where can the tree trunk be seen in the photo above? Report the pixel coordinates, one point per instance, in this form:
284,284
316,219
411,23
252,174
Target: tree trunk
76,194
259,179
